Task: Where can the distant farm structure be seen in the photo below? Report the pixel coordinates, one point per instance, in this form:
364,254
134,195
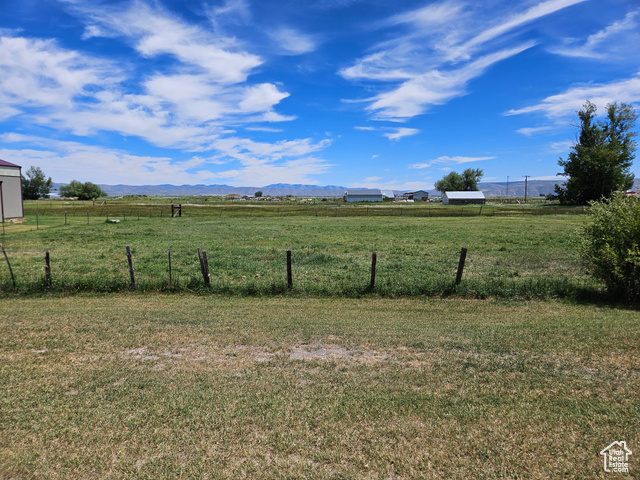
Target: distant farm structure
463,198
363,196
10,191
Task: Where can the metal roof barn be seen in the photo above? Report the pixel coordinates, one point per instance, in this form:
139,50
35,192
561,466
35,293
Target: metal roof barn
363,196
420,195
10,191
463,198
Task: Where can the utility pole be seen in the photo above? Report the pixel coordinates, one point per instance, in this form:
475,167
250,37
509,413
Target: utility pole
526,177
507,185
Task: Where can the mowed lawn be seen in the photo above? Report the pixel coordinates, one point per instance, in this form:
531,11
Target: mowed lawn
185,386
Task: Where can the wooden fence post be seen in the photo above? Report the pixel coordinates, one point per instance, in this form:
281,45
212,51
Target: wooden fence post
374,259
132,286
47,269
170,282
8,264
463,256
204,266
289,273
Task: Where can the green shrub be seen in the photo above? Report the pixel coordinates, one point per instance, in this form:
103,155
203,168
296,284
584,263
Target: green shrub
611,248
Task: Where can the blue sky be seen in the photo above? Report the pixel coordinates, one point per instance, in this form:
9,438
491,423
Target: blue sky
359,93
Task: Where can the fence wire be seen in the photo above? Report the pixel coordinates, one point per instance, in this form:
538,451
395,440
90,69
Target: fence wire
252,268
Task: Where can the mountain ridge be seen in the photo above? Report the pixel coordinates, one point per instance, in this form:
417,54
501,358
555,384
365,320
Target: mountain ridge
535,188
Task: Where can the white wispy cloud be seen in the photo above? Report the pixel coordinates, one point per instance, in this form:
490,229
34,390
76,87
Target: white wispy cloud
292,42
516,20
251,163
399,133
39,73
230,12
435,87
528,131
155,31
619,36
457,160
558,147
569,102
264,129
65,161
187,104
442,48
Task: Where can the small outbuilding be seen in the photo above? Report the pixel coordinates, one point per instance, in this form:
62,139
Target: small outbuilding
363,196
463,198
10,191
420,195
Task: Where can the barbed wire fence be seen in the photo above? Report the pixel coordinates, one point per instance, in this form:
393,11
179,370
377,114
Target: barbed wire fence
277,271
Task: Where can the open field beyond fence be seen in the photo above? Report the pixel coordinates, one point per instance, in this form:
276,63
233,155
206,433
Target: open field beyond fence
530,256
161,207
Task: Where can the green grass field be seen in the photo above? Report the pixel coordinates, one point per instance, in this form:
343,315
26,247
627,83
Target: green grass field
524,370
182,386
528,256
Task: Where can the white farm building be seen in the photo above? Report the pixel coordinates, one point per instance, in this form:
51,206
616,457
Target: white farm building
10,191
363,196
463,198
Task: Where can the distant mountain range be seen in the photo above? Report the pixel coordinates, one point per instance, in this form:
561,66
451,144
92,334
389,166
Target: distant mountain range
535,188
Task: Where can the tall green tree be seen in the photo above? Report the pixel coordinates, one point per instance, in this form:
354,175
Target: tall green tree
600,163
84,191
455,182
36,184
471,178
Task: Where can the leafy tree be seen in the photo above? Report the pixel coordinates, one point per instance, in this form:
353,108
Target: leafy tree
36,185
600,162
454,182
471,178
611,245
258,194
84,191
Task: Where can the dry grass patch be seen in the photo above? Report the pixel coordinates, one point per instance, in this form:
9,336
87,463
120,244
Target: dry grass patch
135,386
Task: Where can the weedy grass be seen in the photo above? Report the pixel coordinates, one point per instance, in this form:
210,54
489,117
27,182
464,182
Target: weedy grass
187,386
529,257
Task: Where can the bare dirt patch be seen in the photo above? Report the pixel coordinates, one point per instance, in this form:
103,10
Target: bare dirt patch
243,356
321,351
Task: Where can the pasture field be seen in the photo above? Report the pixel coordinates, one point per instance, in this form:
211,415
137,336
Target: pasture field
190,386
531,256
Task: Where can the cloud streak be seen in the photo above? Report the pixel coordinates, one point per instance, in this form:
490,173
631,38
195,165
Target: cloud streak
600,45
249,163
567,103
399,133
186,104
446,160
439,50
